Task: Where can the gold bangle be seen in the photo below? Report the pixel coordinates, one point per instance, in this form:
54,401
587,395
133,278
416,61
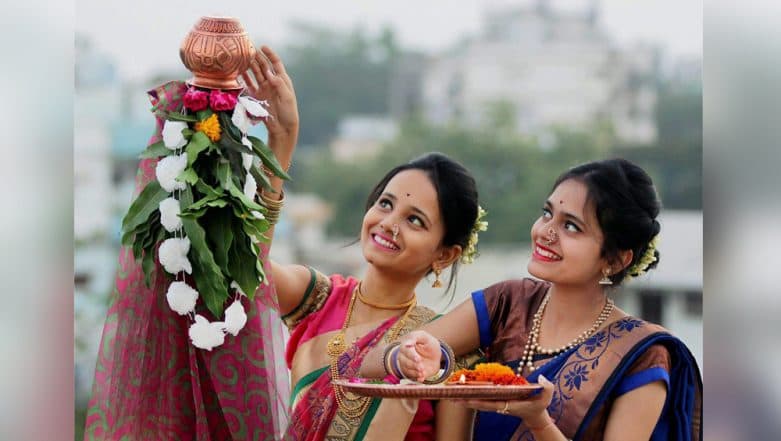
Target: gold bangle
273,203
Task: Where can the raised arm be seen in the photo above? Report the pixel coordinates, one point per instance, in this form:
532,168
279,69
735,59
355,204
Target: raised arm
268,80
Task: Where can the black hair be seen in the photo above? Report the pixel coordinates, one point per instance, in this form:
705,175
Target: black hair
626,205
456,193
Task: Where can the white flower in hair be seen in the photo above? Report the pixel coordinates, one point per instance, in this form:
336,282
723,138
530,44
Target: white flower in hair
181,297
172,134
235,318
240,118
236,286
250,187
206,335
168,169
173,255
169,214
254,107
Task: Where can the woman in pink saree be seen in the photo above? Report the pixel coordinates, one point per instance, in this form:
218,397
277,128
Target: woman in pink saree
152,384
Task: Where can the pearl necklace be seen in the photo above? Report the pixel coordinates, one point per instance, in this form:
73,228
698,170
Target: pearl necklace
533,342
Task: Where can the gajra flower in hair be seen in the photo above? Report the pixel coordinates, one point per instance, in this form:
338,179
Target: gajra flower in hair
470,252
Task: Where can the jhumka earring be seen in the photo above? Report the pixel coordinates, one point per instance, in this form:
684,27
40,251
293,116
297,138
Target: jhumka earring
437,283
395,231
605,280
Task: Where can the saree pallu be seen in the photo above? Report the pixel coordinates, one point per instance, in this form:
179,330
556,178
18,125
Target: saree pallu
588,378
315,413
152,384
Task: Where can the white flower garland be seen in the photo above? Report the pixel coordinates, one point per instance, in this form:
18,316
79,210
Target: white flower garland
173,251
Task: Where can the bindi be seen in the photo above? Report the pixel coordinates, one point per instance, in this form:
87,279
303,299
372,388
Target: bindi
407,194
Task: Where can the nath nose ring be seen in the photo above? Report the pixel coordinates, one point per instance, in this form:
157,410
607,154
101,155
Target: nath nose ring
552,236
395,231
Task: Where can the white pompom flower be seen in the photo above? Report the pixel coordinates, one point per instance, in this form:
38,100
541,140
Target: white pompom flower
169,214
250,187
168,169
173,255
181,297
235,318
254,107
240,118
172,134
206,335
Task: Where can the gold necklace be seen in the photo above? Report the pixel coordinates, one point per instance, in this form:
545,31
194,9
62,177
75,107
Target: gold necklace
366,301
337,346
533,342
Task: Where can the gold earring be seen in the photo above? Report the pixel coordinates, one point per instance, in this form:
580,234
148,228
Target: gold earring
605,280
437,283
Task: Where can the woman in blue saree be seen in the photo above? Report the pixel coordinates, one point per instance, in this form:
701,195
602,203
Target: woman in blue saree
606,375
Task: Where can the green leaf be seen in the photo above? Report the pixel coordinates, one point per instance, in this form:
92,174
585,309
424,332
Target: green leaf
148,266
203,114
268,158
229,143
219,232
209,279
188,176
241,262
176,116
187,133
223,174
228,127
261,179
238,194
198,143
143,206
208,190
156,150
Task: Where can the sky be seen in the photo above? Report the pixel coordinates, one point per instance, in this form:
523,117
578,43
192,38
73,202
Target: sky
143,36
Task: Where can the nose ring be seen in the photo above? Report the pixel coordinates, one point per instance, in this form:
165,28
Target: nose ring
552,236
395,231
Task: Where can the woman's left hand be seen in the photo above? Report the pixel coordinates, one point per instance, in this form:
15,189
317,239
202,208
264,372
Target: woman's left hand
534,411
268,80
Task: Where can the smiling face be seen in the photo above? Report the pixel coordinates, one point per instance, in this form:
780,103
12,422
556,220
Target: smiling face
409,200
567,240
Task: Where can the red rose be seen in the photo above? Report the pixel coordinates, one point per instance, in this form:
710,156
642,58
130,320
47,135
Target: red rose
195,99
221,101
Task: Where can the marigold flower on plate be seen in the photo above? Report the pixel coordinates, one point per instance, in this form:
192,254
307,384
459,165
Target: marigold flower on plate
210,127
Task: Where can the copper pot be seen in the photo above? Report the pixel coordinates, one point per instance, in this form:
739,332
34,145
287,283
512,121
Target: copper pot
217,50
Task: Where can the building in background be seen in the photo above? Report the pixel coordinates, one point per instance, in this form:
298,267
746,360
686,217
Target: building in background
552,67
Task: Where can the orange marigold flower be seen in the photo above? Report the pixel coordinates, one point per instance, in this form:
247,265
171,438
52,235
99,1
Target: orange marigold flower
494,372
210,127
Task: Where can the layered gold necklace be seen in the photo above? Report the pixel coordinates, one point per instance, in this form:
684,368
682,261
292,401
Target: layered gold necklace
533,342
355,407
